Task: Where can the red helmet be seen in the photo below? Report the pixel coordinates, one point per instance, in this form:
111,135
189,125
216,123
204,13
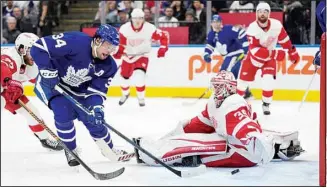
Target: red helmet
223,85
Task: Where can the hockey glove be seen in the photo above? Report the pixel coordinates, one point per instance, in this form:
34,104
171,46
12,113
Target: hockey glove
97,115
316,60
49,78
207,58
294,56
14,90
162,51
278,55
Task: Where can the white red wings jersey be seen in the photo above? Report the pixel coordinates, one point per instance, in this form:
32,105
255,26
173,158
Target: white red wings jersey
12,66
263,41
137,42
232,119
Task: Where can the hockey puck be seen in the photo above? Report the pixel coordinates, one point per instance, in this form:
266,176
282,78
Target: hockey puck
235,171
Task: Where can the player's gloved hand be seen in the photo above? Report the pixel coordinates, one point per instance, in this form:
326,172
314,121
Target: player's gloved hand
97,115
294,56
316,60
14,90
207,58
49,78
162,51
278,55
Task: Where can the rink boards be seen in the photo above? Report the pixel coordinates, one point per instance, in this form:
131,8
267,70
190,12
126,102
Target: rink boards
183,73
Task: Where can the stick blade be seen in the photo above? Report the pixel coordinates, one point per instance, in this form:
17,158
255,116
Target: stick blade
194,171
110,175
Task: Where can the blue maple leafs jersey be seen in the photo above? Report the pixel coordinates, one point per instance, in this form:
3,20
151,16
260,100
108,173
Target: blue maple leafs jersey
231,40
71,54
321,15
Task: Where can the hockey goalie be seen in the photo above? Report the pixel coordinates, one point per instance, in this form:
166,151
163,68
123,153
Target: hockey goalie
18,67
225,134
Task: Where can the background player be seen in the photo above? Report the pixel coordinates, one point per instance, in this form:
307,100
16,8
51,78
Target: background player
83,67
134,48
321,16
225,134
231,42
17,67
263,35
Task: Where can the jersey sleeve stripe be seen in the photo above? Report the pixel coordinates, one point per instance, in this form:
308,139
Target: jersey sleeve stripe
284,40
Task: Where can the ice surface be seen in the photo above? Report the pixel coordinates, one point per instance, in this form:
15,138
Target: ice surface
25,162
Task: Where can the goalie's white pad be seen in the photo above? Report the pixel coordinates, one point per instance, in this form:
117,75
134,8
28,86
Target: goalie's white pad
173,149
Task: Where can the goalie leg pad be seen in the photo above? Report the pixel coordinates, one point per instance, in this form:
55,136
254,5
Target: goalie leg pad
174,149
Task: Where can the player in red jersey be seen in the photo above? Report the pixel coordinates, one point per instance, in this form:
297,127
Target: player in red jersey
135,45
263,35
17,67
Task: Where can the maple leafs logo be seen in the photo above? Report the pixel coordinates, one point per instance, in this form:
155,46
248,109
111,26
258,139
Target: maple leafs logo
74,78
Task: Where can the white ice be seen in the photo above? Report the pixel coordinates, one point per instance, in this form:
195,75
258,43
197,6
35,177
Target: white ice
25,162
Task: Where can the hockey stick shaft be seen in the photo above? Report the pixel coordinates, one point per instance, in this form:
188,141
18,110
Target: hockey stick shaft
307,91
94,174
79,105
200,97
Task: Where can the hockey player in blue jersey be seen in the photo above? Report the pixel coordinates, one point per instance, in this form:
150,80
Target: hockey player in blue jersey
83,67
321,16
231,42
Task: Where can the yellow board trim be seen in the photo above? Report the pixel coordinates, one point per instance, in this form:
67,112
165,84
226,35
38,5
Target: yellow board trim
181,92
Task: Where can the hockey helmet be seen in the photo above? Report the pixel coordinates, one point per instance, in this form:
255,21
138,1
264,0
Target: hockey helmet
223,85
263,6
107,33
137,13
24,41
216,17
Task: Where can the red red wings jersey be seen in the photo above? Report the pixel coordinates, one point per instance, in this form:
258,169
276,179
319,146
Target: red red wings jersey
12,66
263,41
232,118
138,41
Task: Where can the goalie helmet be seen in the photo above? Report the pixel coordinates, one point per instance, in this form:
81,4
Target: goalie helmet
25,41
223,85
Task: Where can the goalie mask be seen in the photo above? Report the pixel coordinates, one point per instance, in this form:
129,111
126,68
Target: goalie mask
223,85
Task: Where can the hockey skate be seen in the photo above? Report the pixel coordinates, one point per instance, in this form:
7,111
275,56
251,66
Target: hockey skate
265,108
141,102
137,142
123,99
247,95
70,158
50,144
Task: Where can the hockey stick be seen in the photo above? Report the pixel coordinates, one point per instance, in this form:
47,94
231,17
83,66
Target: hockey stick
193,172
98,176
196,100
307,91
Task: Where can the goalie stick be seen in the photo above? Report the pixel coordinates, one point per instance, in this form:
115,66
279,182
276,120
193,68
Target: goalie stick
192,172
186,103
98,176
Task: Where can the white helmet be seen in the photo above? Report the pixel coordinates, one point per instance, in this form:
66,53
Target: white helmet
137,13
263,6
25,41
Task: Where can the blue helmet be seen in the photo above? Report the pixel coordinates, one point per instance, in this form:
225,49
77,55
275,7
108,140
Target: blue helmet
107,33
216,17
